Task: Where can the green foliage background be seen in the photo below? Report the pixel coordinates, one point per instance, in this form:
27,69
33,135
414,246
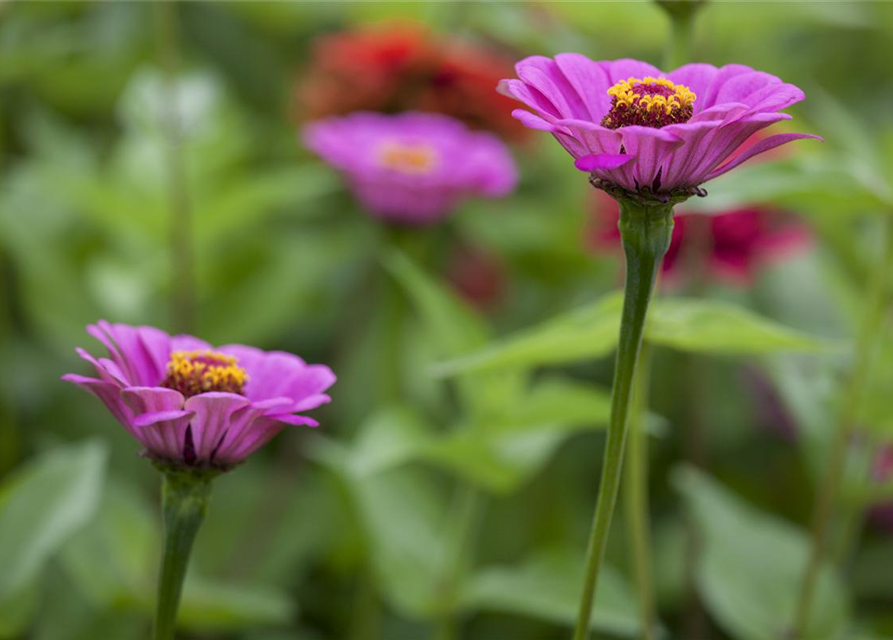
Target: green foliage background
456,468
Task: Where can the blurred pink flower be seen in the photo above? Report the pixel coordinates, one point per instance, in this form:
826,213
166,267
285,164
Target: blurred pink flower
190,404
412,168
637,129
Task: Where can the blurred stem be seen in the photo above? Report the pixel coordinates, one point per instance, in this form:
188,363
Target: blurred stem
468,510
680,44
9,434
868,336
366,612
636,496
183,289
184,500
645,230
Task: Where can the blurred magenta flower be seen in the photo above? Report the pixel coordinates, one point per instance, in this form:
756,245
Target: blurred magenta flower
192,405
734,244
637,129
412,168
401,66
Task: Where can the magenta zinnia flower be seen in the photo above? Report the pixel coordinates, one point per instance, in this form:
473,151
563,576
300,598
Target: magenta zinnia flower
412,167
190,404
637,129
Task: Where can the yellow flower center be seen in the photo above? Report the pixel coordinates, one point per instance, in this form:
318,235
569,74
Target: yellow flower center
408,158
195,372
649,102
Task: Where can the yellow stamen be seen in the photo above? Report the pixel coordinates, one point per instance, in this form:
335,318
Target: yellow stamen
408,158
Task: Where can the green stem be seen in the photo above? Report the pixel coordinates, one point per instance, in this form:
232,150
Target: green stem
636,497
869,334
466,517
185,499
183,288
680,43
645,230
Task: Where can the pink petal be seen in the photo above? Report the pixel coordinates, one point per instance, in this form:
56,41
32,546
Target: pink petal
761,147
165,437
213,416
595,162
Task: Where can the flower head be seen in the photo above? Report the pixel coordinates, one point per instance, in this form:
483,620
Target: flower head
733,244
412,167
638,130
192,405
402,66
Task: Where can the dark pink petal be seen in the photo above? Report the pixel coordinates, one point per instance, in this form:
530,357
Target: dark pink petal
528,95
128,349
651,148
760,147
595,162
105,368
298,421
543,74
311,402
213,416
589,81
165,437
256,434
533,121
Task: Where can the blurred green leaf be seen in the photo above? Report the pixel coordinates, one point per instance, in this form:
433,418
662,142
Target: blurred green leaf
43,505
210,607
111,558
547,586
702,326
752,566
706,326
581,334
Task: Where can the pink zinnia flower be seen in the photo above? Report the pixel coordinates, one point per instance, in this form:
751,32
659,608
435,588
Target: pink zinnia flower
737,243
639,130
190,404
412,168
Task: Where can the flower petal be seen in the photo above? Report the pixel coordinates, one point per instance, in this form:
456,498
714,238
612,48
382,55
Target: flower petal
213,417
760,147
164,437
110,395
595,162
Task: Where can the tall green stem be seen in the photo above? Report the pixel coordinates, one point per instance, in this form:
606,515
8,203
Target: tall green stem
869,334
635,497
645,230
183,294
185,499
465,520
680,44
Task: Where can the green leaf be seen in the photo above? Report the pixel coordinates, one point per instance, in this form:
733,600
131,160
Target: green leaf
707,326
750,572
210,607
42,506
701,326
547,586
581,334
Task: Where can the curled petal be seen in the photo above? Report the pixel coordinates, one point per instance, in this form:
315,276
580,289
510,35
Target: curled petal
596,162
166,436
213,417
760,147
110,395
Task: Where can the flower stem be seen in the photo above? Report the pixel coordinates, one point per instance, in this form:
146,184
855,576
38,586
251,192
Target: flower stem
869,334
636,496
183,294
467,512
645,230
184,502
680,43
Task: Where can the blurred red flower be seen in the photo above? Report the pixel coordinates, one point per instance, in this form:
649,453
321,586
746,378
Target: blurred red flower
477,275
728,247
404,66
